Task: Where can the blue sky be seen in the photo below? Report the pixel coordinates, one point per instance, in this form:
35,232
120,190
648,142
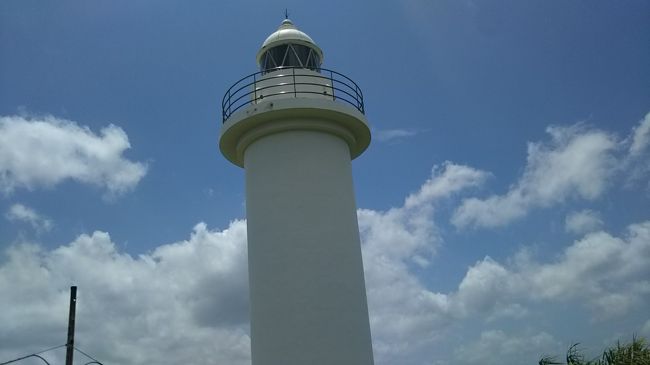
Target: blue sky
503,201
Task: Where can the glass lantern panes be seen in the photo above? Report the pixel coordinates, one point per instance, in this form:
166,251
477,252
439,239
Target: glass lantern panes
290,55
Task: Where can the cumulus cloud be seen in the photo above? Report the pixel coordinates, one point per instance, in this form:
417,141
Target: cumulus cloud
610,273
496,347
637,162
402,311
600,272
582,222
45,151
21,213
640,137
187,302
183,303
607,274
408,231
576,162
488,288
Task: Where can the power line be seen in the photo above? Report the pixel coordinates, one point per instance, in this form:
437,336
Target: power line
50,349
95,361
33,355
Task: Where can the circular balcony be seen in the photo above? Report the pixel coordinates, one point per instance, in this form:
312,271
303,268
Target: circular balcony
291,82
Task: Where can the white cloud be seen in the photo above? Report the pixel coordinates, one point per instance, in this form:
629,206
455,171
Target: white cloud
387,135
21,213
606,274
602,273
577,162
496,347
445,180
189,300
583,222
637,162
45,151
402,310
404,232
640,137
488,289
609,273
184,303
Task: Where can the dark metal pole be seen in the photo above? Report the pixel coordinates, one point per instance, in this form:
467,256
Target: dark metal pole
70,344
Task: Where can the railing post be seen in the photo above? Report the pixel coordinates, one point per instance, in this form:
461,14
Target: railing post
295,92
226,110
359,97
332,84
254,89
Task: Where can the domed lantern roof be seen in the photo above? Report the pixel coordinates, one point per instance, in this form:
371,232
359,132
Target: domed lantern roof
289,47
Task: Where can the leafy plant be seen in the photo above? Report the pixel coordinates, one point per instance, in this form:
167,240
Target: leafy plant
636,352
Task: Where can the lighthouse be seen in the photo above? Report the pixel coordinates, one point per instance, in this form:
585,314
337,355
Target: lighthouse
295,127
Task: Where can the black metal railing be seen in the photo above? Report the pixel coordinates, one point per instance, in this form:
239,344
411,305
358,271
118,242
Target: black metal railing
292,82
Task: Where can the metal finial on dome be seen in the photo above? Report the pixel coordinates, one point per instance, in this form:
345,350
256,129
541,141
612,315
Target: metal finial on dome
287,23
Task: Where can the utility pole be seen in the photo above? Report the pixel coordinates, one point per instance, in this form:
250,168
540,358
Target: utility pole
70,343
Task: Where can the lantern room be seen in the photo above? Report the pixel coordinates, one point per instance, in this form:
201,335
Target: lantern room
289,47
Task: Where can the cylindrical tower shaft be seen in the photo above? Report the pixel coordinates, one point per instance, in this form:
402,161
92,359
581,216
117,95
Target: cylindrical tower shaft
308,303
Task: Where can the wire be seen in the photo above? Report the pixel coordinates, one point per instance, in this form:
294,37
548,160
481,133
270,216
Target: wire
50,349
94,361
34,354
86,355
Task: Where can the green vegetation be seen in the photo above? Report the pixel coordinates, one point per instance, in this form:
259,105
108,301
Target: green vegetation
636,352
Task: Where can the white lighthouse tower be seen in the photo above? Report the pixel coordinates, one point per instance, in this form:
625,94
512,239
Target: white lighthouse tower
295,127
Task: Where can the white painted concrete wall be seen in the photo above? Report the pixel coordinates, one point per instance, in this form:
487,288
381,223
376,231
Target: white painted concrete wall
308,298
